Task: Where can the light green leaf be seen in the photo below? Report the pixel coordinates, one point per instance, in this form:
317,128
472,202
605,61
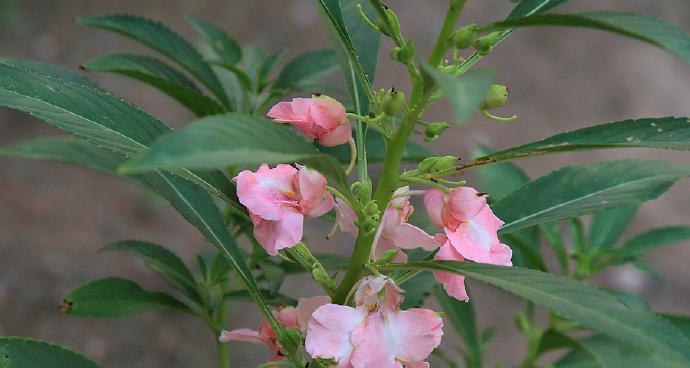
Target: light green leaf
233,139
650,240
225,47
51,70
17,352
113,297
160,38
163,262
608,226
587,306
578,190
466,92
461,316
161,76
641,27
305,68
666,133
268,65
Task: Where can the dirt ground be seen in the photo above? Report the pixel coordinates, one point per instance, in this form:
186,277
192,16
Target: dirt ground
54,218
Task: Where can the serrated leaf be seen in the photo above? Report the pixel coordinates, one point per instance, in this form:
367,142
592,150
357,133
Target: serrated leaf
465,93
609,353
462,318
608,226
114,297
17,352
163,262
666,133
641,27
159,75
587,306
307,67
223,45
51,70
233,139
162,39
650,240
578,190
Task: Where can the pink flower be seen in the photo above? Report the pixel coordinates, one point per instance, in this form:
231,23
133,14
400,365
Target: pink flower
394,231
469,224
288,317
453,283
278,199
319,117
376,333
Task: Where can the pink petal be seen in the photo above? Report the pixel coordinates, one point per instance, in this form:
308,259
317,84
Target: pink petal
501,255
241,334
311,189
465,202
408,236
336,136
417,365
327,112
385,244
434,201
287,317
453,283
346,217
265,191
290,112
329,332
476,237
276,235
306,307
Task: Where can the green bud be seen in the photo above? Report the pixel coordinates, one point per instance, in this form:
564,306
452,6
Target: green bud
321,276
404,54
434,130
393,103
498,95
362,190
388,256
425,166
372,209
484,44
383,27
465,36
370,225
444,163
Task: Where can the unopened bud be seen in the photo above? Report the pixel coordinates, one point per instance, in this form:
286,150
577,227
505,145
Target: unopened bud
434,130
393,103
321,276
424,167
383,27
372,209
498,95
370,225
362,190
465,36
444,163
404,54
484,44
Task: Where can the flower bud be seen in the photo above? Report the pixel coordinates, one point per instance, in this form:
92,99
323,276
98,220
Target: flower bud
372,209
465,36
362,190
498,95
393,103
424,167
404,54
369,225
321,276
484,44
434,130
383,27
444,163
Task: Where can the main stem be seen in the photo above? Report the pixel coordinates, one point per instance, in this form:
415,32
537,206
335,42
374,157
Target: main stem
222,320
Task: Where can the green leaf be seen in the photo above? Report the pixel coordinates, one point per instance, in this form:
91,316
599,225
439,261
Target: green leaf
552,339
609,353
253,58
608,226
268,65
417,289
160,38
233,139
275,299
526,7
97,116
578,190
681,322
643,28
274,276
667,133
51,70
466,92
161,76
17,352
587,306
163,262
376,150
650,240
630,300
305,68
225,47
114,297
462,318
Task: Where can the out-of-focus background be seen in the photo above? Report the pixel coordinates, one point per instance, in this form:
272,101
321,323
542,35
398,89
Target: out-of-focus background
54,218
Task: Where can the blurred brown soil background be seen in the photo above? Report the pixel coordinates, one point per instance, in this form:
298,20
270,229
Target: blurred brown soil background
54,218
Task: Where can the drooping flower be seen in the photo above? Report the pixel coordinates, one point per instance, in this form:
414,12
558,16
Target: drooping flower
319,117
376,333
454,284
394,231
469,224
278,199
288,317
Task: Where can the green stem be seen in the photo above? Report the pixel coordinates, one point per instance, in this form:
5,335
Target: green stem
442,42
222,320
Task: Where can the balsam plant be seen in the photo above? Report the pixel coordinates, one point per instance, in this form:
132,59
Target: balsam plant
236,175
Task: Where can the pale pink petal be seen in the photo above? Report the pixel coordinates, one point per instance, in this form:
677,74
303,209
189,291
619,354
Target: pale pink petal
453,283
287,317
501,255
241,334
476,237
346,217
383,245
408,236
337,136
314,200
374,344
434,201
417,365
465,202
367,292
268,336
329,332
276,235
306,307
289,112
327,112
266,191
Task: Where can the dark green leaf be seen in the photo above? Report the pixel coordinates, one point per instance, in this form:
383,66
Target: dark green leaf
163,262
526,7
225,47
609,353
589,307
681,322
630,300
376,150
552,339
461,316
160,75
651,240
499,180
578,190
307,67
268,65
417,289
643,28
668,133
466,92
275,299
50,70
608,226
274,276
17,352
114,297
160,38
